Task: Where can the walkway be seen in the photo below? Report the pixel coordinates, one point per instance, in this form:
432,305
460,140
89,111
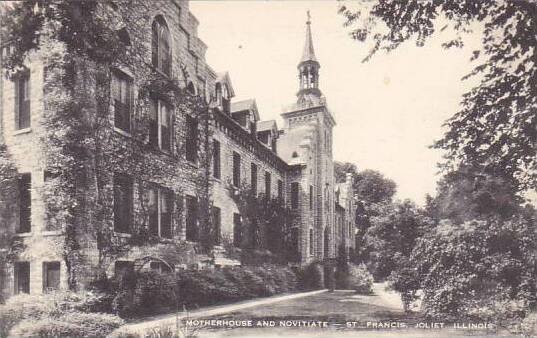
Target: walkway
171,319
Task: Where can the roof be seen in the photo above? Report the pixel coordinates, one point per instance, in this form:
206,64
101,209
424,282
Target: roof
243,105
294,140
309,53
266,125
223,77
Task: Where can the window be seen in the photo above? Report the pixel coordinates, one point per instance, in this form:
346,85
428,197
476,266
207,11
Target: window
122,203
222,97
25,203
216,159
192,231
294,195
122,93
311,197
51,276
236,169
22,101
160,206
191,139
280,189
121,268
237,230
160,267
160,46
22,277
253,179
160,125
311,242
217,225
268,183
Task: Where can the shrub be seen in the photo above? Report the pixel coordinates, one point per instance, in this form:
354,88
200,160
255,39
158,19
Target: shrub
72,324
22,313
154,293
311,278
360,279
466,269
404,280
529,326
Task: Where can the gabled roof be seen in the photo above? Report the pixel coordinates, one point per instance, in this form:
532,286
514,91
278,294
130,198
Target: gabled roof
267,125
245,105
223,78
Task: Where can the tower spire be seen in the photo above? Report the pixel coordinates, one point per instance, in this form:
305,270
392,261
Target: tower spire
309,53
308,68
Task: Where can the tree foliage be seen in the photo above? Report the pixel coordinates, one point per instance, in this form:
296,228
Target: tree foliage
478,268
392,236
468,194
496,126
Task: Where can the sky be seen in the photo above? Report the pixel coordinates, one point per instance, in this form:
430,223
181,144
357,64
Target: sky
388,110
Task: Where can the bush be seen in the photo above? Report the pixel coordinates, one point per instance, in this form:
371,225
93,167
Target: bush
360,279
405,281
312,277
467,269
42,311
529,326
153,293
72,324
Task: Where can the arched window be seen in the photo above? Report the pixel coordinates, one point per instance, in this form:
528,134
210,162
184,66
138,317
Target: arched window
191,89
218,93
160,46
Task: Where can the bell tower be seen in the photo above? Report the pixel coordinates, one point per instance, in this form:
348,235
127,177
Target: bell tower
308,69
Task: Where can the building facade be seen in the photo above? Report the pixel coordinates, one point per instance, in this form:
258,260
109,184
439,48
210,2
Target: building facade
160,148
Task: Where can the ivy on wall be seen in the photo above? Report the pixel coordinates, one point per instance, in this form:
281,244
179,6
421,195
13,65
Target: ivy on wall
266,223
79,44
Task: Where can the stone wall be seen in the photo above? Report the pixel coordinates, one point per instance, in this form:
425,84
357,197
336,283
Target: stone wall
121,151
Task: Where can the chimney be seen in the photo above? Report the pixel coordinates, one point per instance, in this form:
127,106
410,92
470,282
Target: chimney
348,178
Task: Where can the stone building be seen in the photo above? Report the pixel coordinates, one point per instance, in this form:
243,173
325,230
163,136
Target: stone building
157,158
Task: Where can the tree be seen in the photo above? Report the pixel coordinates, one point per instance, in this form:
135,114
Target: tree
495,127
392,236
373,187
468,193
342,168
485,269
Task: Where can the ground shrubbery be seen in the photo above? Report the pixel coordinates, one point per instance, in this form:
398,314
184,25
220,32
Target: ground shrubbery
312,277
529,325
148,293
478,269
360,279
59,314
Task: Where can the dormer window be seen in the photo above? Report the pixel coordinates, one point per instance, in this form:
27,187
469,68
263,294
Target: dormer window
160,46
222,97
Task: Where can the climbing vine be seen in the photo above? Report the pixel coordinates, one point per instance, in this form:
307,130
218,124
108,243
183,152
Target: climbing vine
266,222
82,44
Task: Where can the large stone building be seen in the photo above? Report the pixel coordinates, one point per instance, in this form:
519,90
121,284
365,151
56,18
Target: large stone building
139,177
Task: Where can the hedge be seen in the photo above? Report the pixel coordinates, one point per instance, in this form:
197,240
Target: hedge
153,293
55,314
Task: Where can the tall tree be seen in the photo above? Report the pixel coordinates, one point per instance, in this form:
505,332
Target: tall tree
372,186
496,126
469,193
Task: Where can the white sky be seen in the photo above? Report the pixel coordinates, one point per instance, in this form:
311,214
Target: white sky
388,110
